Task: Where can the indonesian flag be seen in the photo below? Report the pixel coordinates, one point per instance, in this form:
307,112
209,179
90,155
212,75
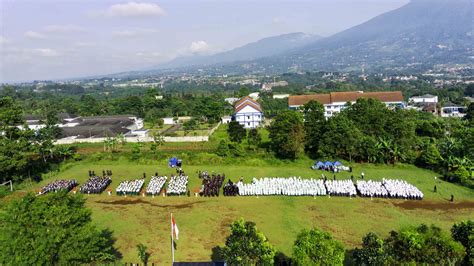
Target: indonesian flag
175,228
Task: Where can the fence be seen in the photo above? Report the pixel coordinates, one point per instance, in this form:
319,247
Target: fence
142,139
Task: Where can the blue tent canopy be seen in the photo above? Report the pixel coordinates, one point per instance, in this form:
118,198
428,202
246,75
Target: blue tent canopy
319,164
328,163
173,162
337,163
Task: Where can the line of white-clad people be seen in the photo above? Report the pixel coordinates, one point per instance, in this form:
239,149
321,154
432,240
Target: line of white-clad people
293,186
156,185
296,186
177,185
371,188
130,187
401,189
95,185
58,185
341,188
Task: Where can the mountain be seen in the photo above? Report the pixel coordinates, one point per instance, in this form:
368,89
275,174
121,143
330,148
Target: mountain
419,35
262,48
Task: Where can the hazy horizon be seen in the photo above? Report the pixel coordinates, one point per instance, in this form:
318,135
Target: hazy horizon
46,39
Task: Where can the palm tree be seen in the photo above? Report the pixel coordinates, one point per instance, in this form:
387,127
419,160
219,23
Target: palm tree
142,253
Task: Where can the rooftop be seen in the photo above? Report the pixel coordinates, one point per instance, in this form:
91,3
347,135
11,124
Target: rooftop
349,96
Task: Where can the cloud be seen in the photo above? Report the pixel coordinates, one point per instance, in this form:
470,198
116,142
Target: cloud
85,44
199,47
134,9
133,32
69,28
4,40
46,52
34,35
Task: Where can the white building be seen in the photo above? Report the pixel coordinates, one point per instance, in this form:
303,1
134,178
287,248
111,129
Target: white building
254,95
226,119
427,98
280,96
231,100
452,110
335,102
248,113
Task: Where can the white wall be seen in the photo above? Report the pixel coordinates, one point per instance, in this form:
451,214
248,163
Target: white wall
249,117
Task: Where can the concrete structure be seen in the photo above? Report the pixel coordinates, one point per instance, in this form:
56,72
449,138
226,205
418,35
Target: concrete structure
280,96
174,120
335,102
248,113
427,98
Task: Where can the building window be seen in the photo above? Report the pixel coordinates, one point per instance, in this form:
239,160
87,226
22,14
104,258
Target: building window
248,124
248,117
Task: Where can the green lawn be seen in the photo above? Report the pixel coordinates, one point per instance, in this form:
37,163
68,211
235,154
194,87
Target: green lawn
203,222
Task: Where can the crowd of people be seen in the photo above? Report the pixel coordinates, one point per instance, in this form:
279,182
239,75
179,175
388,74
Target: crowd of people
402,189
130,187
341,188
293,186
371,189
95,184
156,185
230,189
211,184
177,185
58,185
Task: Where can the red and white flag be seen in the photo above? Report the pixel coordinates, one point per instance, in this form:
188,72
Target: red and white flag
175,228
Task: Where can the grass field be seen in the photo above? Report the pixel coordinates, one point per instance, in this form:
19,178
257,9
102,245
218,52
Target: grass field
204,222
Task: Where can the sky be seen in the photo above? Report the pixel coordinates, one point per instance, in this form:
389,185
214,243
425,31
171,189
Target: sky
59,39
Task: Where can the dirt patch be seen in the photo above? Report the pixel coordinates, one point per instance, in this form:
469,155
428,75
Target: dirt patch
429,205
124,202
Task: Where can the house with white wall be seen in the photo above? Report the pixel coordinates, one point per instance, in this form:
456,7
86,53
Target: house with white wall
248,113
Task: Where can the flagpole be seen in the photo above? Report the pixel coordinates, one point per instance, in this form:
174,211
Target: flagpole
172,239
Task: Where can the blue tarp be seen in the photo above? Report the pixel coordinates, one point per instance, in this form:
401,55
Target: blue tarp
328,163
319,164
337,163
173,162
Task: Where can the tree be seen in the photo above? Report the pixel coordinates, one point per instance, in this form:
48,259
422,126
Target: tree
372,251
430,157
340,138
223,149
143,255
190,125
55,229
236,132
316,247
22,150
120,138
243,91
463,232
158,141
423,245
287,134
314,123
470,113
247,246
254,138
